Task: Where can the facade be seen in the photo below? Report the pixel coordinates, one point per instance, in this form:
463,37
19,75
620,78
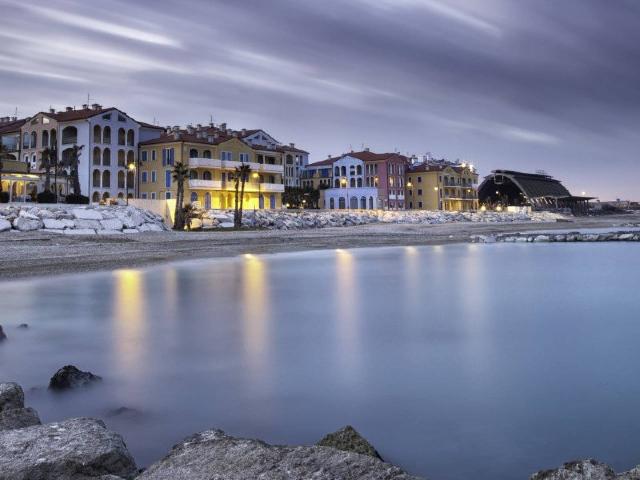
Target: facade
10,136
442,186
317,175
212,155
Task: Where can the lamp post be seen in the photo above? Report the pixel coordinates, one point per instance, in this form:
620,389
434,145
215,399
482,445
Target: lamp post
256,175
132,168
343,182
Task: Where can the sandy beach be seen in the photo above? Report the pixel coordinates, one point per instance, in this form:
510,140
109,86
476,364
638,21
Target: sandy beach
42,254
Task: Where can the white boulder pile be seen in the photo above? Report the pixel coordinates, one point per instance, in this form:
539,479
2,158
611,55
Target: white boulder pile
547,237
79,219
305,219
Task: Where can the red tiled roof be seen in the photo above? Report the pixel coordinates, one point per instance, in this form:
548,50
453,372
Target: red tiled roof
148,125
184,136
364,155
13,126
434,168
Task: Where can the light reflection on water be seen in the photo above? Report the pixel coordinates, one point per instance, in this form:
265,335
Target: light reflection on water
469,361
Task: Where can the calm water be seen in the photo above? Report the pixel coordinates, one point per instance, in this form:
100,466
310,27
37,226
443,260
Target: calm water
457,362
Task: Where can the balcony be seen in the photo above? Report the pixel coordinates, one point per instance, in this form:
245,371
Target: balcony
205,184
232,164
264,187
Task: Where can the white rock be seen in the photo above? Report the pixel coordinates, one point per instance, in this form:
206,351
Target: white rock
92,224
25,224
80,231
53,224
196,223
112,224
150,227
4,225
86,214
109,232
130,230
226,224
26,214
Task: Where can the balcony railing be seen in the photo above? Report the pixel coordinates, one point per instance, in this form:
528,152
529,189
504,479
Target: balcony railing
232,164
249,187
205,184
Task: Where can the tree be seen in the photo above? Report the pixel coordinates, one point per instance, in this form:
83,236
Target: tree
190,213
47,162
180,174
72,161
241,176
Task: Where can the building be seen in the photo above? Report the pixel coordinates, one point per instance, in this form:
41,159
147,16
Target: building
10,136
442,185
505,188
212,153
318,175
108,138
18,184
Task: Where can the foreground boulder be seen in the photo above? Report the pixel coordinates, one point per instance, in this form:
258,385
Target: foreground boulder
349,440
11,396
588,469
70,376
12,412
76,449
215,455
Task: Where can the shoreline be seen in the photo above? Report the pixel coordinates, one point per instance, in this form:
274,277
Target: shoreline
42,254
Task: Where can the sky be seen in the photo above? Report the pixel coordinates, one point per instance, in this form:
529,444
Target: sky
504,84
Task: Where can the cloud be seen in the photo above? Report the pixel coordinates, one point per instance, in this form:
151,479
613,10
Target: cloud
530,136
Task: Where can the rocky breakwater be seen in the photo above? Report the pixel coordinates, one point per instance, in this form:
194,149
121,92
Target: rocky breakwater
533,237
79,220
306,219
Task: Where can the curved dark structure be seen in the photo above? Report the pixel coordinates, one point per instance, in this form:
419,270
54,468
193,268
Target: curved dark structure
537,190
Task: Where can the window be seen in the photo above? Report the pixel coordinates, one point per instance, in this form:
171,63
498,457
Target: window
206,154
34,140
144,177
194,197
106,179
143,195
106,157
121,159
244,157
419,204
419,191
121,179
167,178
96,156
206,175
419,179
227,156
193,153
193,174
121,136
97,134
154,178
143,156
167,195
106,134
96,178
130,138
106,117
337,171
359,170
153,195
153,155
167,156
121,118
45,138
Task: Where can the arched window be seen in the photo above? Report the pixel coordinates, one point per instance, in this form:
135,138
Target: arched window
120,179
69,135
106,157
106,179
25,140
45,138
359,169
272,201
130,179
106,134
289,160
371,203
206,154
352,182
34,140
97,134
353,203
121,195
342,204
206,175
95,198
121,160
130,158
194,197
359,182
105,196
363,203
337,182
336,171
96,156
343,170
96,178
332,203
130,138
121,136
54,137
193,174
207,201
193,153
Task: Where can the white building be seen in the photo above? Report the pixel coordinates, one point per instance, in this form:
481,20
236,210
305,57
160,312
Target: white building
348,190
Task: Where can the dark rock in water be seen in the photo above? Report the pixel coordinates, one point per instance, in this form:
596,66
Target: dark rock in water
215,455
11,396
79,448
588,469
18,418
70,376
349,440
124,412
23,326
3,336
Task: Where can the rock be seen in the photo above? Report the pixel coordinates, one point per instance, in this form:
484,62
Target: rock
349,440
5,225
541,238
633,474
70,376
150,227
23,326
112,224
25,224
214,455
18,418
11,396
124,412
196,224
53,224
3,336
226,224
130,230
86,214
92,224
579,470
80,448
80,231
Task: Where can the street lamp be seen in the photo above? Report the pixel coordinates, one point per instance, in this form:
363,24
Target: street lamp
132,168
257,177
343,182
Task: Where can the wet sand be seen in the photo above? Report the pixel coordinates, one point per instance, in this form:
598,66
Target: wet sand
43,254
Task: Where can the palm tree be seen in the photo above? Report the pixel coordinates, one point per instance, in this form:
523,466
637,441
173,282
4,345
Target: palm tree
180,174
47,162
71,161
241,175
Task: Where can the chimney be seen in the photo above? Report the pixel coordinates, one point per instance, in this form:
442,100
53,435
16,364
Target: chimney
244,132
52,110
292,145
211,138
176,135
199,126
69,109
85,106
176,128
190,129
366,149
223,127
211,124
216,135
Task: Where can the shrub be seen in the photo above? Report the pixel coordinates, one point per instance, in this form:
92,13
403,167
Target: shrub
77,199
46,197
4,197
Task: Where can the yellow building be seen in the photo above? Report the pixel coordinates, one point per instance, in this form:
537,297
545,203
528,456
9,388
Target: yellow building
442,187
212,155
